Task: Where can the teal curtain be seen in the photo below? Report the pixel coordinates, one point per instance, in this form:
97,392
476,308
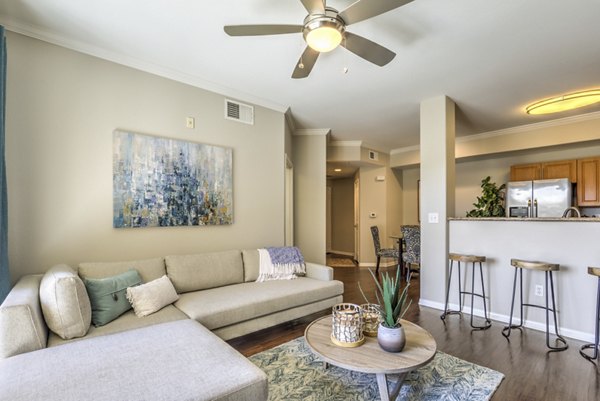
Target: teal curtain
4,272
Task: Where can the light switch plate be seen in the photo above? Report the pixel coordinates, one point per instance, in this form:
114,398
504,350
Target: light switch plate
190,122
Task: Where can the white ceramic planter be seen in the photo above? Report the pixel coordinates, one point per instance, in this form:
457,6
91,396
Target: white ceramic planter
391,340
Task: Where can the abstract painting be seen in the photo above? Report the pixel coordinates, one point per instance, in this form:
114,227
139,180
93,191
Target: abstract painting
160,182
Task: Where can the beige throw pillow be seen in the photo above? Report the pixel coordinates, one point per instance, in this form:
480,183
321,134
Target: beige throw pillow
65,302
152,297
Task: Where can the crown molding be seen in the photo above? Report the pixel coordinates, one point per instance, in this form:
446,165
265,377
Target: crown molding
405,150
289,119
312,132
513,130
531,127
137,64
345,143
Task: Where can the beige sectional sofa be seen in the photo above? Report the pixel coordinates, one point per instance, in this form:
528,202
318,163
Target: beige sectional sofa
176,353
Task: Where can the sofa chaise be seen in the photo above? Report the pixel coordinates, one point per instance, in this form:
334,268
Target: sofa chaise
176,353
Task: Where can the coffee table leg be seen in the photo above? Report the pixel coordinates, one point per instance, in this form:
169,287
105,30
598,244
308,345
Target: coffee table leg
384,390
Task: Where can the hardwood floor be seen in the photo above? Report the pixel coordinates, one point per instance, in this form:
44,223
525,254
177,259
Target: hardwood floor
531,373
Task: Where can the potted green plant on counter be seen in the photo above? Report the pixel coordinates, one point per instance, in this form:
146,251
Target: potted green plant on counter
394,302
491,201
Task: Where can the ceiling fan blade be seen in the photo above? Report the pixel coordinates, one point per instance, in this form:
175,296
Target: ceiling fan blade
314,6
365,9
256,30
307,60
368,50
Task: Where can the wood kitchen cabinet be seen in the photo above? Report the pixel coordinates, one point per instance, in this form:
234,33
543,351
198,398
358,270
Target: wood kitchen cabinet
560,169
545,171
526,172
588,182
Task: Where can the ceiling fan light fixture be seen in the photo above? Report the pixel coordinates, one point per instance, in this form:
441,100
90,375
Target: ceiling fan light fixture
324,39
565,102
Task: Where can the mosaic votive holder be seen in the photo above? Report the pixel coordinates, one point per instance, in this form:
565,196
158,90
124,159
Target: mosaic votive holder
347,325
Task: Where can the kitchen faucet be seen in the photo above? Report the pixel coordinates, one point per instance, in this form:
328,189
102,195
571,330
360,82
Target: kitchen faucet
571,209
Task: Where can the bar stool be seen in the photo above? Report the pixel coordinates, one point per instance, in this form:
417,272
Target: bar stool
594,271
466,259
547,268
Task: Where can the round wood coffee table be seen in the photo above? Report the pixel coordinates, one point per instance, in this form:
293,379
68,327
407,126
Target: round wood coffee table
370,358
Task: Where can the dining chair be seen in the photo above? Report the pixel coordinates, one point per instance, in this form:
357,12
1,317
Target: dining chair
411,256
382,252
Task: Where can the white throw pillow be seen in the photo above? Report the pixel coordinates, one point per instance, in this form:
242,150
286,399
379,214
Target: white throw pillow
151,297
65,302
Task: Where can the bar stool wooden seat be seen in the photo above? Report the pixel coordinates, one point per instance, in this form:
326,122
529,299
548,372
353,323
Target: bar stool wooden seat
547,268
466,259
594,271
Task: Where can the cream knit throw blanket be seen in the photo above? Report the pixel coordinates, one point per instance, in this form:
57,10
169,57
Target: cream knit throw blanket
284,263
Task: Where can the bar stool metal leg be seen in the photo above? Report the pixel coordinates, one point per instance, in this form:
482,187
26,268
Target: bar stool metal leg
507,329
597,338
446,310
559,338
487,323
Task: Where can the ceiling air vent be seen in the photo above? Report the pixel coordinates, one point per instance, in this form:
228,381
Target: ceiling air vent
239,112
373,155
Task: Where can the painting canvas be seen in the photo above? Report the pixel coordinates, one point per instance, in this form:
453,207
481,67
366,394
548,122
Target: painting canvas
159,182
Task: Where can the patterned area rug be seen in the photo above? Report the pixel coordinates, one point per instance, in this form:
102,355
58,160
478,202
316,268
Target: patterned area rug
296,374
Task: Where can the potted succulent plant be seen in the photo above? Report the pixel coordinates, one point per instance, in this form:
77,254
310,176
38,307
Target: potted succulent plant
394,305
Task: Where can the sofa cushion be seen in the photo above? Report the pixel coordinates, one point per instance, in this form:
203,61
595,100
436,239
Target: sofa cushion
65,302
151,297
171,361
108,295
127,321
149,269
22,325
251,264
205,270
219,307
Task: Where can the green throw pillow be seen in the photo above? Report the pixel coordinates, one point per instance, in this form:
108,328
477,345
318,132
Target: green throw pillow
108,296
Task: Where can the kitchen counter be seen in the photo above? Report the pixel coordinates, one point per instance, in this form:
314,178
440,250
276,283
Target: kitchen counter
521,219
571,242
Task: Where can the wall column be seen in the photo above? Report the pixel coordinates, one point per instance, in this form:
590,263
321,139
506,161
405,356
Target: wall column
310,171
436,195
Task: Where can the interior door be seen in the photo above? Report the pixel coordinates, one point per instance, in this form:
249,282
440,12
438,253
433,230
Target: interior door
356,219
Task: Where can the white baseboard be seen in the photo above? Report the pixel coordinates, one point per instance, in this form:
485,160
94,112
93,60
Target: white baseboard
540,326
382,264
342,253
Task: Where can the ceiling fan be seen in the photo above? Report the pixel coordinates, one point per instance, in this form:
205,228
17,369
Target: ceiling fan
324,29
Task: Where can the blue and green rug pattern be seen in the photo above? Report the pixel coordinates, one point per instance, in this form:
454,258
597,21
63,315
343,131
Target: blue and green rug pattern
295,373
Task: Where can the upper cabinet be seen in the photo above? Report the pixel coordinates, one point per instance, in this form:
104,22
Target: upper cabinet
588,185
544,171
526,172
560,169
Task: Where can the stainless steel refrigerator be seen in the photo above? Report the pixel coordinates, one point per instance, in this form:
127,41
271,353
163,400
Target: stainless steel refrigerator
540,198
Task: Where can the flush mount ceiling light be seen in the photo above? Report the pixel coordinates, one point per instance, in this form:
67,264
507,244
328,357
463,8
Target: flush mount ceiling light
337,170
569,101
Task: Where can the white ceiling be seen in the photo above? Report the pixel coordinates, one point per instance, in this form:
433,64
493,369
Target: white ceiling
492,57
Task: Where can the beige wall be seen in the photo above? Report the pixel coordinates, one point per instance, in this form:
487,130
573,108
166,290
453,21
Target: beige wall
310,152
394,203
62,107
342,215
372,199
